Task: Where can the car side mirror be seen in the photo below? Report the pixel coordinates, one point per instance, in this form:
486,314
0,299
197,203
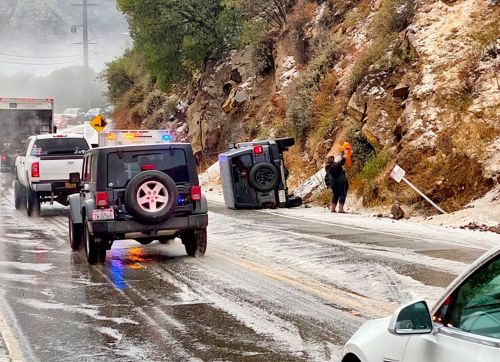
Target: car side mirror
74,177
54,129
94,145
413,318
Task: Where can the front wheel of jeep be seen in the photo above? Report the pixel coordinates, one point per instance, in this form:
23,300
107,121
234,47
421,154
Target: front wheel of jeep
195,242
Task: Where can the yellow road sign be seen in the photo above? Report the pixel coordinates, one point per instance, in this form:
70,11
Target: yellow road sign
99,123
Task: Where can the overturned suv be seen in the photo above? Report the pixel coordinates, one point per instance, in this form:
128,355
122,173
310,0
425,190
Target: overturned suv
142,192
254,175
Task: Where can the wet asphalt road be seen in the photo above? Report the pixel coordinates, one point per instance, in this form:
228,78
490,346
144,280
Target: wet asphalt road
269,288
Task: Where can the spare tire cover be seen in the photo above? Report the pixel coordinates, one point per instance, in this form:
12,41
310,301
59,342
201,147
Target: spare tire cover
264,177
151,197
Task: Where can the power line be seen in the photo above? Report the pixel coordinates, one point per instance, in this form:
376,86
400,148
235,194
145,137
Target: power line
23,63
41,57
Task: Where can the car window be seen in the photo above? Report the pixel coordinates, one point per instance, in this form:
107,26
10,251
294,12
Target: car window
123,166
59,146
475,305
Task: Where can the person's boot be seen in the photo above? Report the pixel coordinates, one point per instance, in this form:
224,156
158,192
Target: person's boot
332,208
341,209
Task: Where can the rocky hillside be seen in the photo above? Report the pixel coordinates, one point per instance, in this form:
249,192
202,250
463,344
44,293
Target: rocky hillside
408,82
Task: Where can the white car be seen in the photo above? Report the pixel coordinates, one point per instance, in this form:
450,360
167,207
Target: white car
464,325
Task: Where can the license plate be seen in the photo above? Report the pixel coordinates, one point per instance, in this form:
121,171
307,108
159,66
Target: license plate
103,214
282,196
70,185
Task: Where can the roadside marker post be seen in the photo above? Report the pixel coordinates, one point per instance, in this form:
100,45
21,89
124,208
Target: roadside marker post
398,175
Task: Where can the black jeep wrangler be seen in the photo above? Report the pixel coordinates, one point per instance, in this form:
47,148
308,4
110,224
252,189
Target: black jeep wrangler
143,192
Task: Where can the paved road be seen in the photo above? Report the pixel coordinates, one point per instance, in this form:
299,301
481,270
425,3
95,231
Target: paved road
271,287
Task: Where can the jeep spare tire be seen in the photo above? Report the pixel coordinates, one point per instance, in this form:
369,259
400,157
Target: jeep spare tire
264,177
151,197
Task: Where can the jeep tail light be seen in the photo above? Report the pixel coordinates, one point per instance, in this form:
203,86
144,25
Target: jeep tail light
35,169
150,167
101,199
258,150
196,193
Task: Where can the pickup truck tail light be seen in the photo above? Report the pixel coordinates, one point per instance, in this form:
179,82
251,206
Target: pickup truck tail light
35,169
196,193
101,199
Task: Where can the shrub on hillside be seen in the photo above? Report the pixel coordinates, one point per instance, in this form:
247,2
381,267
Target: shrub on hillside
369,57
263,55
299,109
375,165
362,149
301,16
153,102
393,16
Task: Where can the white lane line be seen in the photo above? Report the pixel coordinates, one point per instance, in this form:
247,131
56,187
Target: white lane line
13,341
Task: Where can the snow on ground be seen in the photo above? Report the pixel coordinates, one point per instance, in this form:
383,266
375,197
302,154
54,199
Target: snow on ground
482,211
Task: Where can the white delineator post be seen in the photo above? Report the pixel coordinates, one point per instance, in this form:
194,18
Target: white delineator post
398,174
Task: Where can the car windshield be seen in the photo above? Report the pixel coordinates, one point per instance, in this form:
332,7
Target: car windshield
123,166
59,146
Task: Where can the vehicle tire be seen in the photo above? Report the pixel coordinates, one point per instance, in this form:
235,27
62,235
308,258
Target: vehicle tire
144,241
75,234
151,197
32,204
350,358
101,251
19,196
91,247
195,242
264,177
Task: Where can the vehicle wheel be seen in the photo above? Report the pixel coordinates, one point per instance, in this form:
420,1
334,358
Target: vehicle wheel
151,197
101,251
32,204
264,177
91,247
19,196
144,241
350,358
75,234
195,242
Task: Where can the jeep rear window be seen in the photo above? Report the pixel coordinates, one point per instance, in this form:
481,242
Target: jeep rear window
59,146
125,165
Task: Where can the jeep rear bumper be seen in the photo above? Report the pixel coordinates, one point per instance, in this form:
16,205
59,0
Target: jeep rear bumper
133,229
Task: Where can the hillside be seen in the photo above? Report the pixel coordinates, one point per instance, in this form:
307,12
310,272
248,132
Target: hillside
408,82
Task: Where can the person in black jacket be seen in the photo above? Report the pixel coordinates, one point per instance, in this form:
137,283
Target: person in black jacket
340,184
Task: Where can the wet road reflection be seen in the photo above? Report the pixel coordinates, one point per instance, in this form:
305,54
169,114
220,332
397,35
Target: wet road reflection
263,292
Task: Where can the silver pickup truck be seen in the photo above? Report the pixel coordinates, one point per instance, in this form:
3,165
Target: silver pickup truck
43,168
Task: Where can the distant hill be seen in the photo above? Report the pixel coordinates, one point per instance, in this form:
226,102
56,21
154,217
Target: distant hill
42,28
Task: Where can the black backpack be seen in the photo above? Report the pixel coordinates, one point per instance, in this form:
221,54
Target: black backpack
328,179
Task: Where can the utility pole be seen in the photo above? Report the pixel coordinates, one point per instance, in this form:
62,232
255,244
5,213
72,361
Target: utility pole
85,42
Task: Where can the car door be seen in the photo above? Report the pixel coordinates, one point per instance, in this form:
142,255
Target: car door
469,322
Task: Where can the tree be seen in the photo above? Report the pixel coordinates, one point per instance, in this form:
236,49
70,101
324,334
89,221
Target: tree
177,37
